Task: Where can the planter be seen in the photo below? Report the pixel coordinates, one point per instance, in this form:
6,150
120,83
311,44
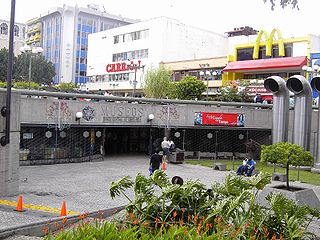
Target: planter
303,196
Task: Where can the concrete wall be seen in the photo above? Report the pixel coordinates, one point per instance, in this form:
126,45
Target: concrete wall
9,154
46,111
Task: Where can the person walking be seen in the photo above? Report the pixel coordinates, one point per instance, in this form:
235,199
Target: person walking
165,145
155,161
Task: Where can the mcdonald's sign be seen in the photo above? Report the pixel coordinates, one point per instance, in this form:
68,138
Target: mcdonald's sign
269,42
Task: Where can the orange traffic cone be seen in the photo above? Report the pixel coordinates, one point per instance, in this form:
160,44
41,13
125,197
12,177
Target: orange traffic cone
19,207
63,209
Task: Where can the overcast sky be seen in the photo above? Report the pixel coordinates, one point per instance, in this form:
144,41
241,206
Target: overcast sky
214,15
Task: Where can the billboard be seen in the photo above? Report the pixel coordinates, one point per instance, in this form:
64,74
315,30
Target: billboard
219,119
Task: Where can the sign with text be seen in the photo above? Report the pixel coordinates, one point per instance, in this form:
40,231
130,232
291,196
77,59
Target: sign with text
219,119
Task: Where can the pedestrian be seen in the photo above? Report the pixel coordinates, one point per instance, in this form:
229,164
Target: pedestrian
250,167
172,146
242,169
155,161
166,150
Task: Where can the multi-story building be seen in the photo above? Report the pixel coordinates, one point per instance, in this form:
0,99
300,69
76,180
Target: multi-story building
63,34
19,35
256,57
119,58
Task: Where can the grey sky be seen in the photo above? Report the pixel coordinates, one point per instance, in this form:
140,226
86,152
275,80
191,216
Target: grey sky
214,15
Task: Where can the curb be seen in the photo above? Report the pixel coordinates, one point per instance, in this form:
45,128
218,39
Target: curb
40,229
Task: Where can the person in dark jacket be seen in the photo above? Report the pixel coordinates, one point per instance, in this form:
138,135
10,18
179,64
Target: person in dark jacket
155,162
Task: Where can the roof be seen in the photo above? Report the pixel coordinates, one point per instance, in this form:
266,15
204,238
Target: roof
266,64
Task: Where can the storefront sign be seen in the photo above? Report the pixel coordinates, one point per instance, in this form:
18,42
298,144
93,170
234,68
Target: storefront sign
219,119
122,114
252,90
122,67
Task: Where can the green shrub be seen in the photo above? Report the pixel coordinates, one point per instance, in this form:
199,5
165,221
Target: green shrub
3,84
287,154
25,85
161,210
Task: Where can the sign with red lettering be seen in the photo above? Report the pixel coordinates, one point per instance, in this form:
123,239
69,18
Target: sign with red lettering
123,66
219,119
252,90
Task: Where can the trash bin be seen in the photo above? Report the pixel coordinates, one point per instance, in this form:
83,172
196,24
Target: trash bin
177,156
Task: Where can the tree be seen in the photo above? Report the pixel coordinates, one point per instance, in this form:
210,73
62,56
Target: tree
283,3
3,64
229,95
158,83
42,71
287,154
189,87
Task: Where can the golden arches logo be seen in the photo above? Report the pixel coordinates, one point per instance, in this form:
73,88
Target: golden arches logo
269,42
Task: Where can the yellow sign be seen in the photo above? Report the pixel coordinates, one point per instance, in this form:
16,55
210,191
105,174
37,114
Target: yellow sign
269,42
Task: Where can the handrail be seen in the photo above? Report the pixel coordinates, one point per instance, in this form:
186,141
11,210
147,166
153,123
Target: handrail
134,99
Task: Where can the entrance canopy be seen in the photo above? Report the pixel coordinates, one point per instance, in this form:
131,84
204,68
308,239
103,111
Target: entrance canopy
286,63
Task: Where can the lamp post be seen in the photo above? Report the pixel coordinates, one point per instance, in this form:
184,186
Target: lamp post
206,74
135,66
28,50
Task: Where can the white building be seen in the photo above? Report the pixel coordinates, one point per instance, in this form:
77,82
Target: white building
19,31
63,32
119,56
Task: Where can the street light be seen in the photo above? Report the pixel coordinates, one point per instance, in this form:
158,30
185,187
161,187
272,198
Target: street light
134,66
28,50
205,74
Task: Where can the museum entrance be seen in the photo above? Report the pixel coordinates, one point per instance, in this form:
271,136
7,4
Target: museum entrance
126,140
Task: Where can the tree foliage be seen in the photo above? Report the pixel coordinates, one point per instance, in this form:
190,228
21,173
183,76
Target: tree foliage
158,83
283,3
3,64
228,94
287,154
42,71
189,88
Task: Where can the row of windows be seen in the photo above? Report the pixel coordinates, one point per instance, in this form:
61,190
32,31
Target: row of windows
129,37
284,75
137,54
178,75
111,77
247,53
4,30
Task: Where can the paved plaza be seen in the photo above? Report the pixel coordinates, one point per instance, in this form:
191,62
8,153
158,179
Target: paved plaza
85,186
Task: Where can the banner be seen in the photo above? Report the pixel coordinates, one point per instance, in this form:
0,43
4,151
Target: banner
219,119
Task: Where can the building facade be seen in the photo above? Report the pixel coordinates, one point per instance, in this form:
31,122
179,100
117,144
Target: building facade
63,34
256,57
19,35
119,58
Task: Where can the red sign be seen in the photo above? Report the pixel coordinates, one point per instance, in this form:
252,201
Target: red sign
121,67
219,119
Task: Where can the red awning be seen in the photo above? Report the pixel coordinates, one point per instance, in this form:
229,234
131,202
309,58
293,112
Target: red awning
266,64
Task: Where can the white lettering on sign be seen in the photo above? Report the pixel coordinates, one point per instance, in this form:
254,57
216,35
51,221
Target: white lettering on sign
122,111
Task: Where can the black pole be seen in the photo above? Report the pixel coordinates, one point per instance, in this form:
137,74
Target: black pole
6,110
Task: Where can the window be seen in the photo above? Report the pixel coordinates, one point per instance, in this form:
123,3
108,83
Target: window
16,31
137,54
128,37
83,73
244,54
4,28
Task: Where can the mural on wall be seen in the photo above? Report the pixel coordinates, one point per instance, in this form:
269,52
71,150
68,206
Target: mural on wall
168,114
88,113
59,113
